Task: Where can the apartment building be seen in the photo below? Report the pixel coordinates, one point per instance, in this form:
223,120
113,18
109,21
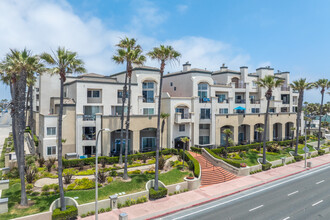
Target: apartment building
201,105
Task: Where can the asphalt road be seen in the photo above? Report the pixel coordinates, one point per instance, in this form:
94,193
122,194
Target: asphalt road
302,196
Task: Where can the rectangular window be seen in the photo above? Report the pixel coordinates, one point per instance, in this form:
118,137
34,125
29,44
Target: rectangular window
120,94
221,98
255,110
204,140
171,84
37,96
51,130
272,110
148,111
285,99
51,150
223,111
93,93
202,92
89,133
254,84
148,144
205,113
204,126
89,150
182,128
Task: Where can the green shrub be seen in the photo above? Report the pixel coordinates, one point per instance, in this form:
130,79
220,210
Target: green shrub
321,152
195,163
113,173
29,186
153,194
233,163
83,216
45,188
298,157
257,171
278,165
102,210
83,183
196,150
70,212
266,166
161,163
134,172
109,179
108,209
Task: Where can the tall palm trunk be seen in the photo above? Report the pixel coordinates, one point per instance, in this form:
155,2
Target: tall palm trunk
320,120
27,103
158,123
122,121
59,148
300,102
20,126
127,124
31,122
265,131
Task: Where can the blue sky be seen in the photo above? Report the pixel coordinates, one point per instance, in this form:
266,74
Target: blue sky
287,35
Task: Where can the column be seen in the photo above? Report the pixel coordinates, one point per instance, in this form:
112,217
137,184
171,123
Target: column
79,121
136,143
235,134
251,133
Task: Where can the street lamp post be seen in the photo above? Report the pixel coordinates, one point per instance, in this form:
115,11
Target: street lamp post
96,170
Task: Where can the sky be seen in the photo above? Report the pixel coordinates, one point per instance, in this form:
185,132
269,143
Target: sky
286,35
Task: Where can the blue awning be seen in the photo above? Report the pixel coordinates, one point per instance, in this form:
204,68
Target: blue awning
239,108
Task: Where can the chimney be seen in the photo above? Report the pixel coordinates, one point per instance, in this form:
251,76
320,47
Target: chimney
223,68
186,66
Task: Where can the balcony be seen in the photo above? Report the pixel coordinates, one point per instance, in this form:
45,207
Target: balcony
285,88
184,118
223,101
254,101
88,137
240,101
89,117
240,85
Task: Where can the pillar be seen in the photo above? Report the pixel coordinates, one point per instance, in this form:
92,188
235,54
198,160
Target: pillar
136,143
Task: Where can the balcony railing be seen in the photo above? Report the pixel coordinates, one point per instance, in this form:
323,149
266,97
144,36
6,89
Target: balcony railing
88,137
285,88
240,101
183,118
240,85
253,101
223,101
89,117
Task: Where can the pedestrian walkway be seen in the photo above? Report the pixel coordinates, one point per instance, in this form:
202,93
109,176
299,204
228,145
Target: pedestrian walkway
204,194
211,174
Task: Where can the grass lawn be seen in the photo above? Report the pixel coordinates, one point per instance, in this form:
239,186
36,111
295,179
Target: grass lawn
42,203
300,149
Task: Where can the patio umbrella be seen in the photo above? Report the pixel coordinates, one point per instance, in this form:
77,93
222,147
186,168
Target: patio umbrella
239,108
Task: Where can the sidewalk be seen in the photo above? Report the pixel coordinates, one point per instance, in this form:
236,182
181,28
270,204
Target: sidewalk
187,199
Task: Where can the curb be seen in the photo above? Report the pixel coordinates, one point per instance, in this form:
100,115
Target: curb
242,190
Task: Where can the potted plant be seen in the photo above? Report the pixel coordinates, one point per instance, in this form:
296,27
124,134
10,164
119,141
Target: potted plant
190,177
243,164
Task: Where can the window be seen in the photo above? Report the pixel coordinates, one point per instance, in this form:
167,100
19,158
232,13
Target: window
92,110
37,108
89,133
202,92
254,84
255,110
204,139
93,93
37,89
148,144
294,109
204,126
239,99
120,94
182,127
51,130
221,98
51,150
272,110
116,147
148,111
174,88
89,150
118,110
171,84
205,113
223,111
37,96
148,92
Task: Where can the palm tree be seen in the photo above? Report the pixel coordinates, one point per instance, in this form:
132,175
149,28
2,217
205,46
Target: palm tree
269,83
14,71
300,85
322,84
185,140
164,116
62,62
130,53
163,54
227,132
260,130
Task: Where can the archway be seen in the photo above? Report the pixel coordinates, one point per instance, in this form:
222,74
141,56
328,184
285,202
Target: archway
223,135
277,132
288,132
115,142
178,144
148,139
244,134
257,136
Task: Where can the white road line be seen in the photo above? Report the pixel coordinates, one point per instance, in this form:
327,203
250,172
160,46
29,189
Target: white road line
320,182
290,194
256,208
286,218
254,192
317,203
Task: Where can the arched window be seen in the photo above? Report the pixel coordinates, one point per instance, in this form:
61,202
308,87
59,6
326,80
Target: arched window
203,92
148,91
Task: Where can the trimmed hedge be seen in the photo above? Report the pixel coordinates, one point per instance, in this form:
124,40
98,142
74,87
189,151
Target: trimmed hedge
196,150
266,166
233,163
298,158
70,212
195,162
153,194
113,160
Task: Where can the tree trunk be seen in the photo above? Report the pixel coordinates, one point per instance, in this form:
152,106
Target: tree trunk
125,177
300,102
321,111
27,103
31,122
122,121
162,67
265,132
20,118
59,148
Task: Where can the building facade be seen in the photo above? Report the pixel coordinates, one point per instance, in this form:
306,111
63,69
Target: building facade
201,104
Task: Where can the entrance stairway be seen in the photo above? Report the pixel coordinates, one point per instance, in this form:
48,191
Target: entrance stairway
211,174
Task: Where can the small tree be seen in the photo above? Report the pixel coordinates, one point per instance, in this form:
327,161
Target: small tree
260,130
185,141
227,132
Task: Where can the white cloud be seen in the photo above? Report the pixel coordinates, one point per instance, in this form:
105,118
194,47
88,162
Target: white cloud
182,8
